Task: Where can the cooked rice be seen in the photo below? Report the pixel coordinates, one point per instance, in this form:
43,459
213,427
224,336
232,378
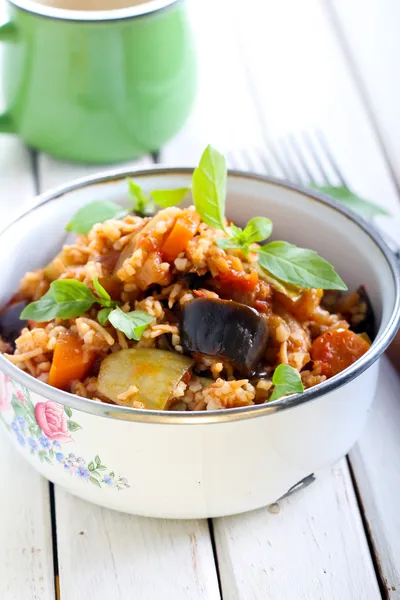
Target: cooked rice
145,282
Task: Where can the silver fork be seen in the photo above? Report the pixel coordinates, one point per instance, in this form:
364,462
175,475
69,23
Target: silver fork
288,156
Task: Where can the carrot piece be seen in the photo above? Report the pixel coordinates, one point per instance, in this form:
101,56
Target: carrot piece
240,279
182,232
36,325
336,350
69,362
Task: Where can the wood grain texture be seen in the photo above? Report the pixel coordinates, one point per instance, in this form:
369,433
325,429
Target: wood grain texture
369,35
376,465
223,114
308,85
53,173
26,559
104,554
314,548
17,185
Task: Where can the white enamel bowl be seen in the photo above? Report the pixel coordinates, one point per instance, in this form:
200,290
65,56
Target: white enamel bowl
206,464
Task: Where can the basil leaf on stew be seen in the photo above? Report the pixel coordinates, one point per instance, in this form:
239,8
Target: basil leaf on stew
65,299
228,244
363,207
167,198
41,311
257,229
209,188
286,381
132,324
92,213
299,266
141,201
104,296
103,314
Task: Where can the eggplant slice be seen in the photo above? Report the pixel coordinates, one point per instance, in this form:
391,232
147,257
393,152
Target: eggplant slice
10,323
226,330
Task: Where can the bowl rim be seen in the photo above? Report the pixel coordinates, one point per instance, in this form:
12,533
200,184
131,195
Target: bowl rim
146,8
216,416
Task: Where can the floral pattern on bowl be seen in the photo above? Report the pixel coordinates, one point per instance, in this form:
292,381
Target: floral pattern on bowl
44,428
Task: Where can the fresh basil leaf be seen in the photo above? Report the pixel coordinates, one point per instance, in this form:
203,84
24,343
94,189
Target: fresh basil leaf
286,381
132,324
167,198
103,314
93,213
71,290
66,299
40,311
299,266
235,231
209,188
365,208
228,244
257,229
141,201
287,289
102,293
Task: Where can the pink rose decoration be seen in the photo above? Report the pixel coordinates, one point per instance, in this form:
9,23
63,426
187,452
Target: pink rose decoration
4,393
20,396
52,420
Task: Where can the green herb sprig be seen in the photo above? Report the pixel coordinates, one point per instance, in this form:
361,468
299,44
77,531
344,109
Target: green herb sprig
363,207
143,205
286,381
68,298
209,193
287,263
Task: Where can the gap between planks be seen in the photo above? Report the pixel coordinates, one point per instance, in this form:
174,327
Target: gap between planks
313,547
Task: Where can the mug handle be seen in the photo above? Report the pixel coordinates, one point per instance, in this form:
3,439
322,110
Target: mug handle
8,33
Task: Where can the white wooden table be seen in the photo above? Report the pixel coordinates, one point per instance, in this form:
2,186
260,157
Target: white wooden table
266,69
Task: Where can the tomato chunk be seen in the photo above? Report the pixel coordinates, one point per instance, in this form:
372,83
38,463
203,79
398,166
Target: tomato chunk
182,233
69,362
338,349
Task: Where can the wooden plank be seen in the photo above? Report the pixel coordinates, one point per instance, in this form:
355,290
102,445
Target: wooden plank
376,465
103,554
368,32
26,559
223,114
17,189
302,82
313,548
15,164
53,172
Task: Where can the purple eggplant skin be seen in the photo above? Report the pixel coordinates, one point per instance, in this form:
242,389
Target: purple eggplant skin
224,329
10,323
368,324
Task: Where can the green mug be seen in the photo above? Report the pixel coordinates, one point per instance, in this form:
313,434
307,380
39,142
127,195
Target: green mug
97,86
